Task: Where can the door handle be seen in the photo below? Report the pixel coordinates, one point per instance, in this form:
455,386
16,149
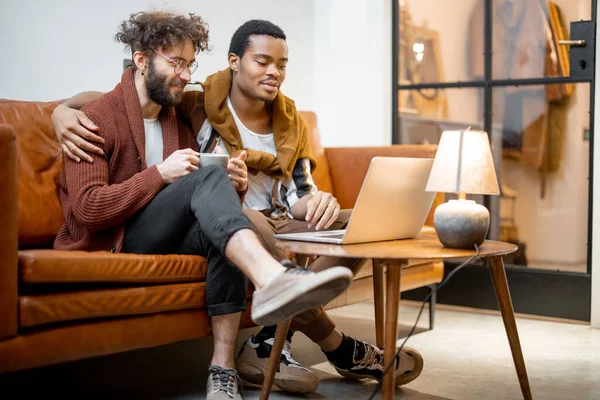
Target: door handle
574,43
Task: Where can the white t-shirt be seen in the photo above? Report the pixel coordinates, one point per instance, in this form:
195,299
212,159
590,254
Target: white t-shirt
260,186
154,141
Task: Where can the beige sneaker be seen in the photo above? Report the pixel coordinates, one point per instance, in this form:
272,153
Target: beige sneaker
223,384
253,359
297,290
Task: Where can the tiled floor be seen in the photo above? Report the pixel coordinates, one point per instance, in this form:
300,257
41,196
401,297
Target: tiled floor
466,357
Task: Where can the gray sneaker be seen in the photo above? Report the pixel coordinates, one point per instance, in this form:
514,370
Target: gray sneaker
297,290
291,376
223,384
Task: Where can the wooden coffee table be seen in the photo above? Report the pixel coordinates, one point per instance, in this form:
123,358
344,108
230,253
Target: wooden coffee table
391,256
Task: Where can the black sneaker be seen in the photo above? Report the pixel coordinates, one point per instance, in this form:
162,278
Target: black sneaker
367,362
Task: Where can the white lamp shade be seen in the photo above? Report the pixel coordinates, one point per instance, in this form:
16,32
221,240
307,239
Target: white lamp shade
463,163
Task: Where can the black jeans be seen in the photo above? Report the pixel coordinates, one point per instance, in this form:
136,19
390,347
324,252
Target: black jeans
197,215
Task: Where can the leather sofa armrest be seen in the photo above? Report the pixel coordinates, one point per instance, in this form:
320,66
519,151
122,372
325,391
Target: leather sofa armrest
8,233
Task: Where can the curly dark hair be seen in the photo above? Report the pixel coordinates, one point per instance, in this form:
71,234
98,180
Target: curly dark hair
146,31
241,38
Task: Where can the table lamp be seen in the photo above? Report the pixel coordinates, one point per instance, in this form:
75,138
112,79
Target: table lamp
463,164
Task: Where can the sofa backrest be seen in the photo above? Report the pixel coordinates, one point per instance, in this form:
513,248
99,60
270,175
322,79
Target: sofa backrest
39,161
352,164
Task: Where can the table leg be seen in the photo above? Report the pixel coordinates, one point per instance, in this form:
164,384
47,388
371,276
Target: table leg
508,316
378,295
391,326
280,335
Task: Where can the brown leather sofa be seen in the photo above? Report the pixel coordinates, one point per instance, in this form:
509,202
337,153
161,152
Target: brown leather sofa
57,306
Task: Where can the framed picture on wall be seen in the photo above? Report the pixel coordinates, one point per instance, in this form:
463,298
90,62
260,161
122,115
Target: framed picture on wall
421,61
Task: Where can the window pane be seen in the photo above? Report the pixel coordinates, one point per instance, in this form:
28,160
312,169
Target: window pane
448,44
434,44
525,35
544,176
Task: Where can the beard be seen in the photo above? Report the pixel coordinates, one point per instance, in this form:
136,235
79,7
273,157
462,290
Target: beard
159,91
265,99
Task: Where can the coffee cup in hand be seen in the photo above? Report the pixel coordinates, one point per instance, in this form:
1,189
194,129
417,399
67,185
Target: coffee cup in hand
213,158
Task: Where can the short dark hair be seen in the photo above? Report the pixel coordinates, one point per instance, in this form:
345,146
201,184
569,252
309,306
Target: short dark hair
146,31
241,38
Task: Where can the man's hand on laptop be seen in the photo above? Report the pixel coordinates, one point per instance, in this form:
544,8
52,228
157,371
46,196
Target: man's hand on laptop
179,164
322,209
75,131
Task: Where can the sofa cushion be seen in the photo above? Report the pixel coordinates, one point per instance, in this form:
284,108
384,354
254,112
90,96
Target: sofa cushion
53,266
42,309
39,161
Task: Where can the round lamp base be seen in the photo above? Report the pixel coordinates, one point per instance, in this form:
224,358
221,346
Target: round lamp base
461,224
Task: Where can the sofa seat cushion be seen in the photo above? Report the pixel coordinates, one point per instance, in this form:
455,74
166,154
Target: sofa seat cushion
42,309
54,266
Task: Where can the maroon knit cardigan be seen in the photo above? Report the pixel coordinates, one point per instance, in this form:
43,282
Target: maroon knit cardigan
98,198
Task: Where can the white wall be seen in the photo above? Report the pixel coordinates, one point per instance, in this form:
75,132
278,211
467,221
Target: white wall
353,72
339,53
54,49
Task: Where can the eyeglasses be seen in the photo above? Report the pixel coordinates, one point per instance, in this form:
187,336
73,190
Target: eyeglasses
180,65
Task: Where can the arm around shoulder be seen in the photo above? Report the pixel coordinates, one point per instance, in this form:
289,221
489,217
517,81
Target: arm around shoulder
74,130
78,101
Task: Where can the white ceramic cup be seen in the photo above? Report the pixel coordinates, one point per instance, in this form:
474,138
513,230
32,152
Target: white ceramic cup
213,158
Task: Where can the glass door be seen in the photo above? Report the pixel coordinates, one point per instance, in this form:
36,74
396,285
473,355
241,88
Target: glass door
523,72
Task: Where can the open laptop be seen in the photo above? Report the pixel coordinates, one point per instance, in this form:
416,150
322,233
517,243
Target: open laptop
392,204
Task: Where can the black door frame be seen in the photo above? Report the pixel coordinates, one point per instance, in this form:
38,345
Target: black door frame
539,292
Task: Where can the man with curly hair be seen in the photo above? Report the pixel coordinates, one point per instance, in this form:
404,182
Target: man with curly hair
144,193
242,109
